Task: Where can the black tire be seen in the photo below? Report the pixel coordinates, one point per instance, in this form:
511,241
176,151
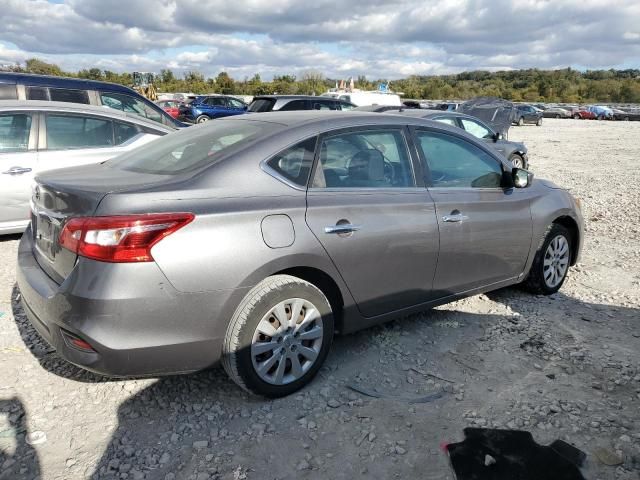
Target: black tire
202,119
236,354
558,115
517,158
539,122
576,117
535,282
521,121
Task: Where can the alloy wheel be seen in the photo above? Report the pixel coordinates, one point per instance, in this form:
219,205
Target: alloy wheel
287,341
556,261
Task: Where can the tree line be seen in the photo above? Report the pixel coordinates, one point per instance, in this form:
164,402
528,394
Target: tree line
530,85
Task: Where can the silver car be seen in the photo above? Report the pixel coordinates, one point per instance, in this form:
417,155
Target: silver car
252,239
36,136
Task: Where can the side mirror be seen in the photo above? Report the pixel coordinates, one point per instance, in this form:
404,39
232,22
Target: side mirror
497,136
521,177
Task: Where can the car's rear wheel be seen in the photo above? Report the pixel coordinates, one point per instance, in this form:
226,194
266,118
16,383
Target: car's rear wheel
576,116
202,119
557,115
278,337
518,161
539,122
521,121
551,263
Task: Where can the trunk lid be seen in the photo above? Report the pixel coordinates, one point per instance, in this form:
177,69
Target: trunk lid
72,192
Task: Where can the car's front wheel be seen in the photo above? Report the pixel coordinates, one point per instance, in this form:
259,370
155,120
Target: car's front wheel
539,122
202,119
577,117
551,263
518,161
278,337
521,121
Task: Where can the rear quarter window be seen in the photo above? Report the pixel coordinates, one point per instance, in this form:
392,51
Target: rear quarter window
295,162
262,105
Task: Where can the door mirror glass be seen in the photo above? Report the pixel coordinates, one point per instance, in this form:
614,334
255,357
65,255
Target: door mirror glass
521,178
497,136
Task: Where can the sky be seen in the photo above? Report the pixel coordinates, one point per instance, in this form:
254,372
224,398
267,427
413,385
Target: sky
379,39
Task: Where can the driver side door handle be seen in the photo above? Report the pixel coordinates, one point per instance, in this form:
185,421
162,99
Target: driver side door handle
455,218
17,171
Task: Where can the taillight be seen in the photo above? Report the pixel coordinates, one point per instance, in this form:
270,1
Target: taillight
120,238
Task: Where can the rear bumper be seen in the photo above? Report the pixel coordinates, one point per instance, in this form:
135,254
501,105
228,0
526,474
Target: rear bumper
136,322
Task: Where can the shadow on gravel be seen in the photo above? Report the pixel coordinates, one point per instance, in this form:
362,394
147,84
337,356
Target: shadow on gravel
18,459
10,238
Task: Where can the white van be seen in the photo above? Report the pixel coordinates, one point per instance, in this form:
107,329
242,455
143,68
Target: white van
364,98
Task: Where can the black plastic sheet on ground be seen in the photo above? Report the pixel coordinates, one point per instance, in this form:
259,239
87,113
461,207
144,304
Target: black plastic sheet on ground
490,454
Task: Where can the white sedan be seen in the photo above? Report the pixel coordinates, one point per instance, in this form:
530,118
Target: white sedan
36,136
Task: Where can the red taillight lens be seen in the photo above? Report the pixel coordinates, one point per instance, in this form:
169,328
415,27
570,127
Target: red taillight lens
121,238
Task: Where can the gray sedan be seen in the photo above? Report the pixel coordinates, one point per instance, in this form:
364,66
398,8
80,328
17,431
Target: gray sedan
252,239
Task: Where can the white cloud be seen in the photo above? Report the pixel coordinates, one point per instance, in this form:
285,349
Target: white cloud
377,38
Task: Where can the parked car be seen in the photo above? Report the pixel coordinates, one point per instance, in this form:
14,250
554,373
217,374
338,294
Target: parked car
527,114
172,107
272,103
600,112
253,238
516,152
27,86
37,135
204,108
583,113
556,112
625,115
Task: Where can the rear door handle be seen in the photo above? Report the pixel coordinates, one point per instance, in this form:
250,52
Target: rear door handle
455,218
342,228
17,171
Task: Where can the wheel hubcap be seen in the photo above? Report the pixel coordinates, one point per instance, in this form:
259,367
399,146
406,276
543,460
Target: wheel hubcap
556,261
287,341
517,162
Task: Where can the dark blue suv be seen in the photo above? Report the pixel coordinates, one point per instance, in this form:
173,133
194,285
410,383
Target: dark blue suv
204,108
27,86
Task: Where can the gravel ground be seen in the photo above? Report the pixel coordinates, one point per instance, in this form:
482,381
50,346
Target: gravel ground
564,366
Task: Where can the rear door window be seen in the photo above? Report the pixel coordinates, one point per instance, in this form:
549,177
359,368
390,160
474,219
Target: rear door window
77,131
37,93
295,105
14,132
124,131
69,95
364,159
233,103
129,104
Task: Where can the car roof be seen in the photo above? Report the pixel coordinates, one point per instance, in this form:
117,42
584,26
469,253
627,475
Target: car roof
297,97
66,107
336,119
32,79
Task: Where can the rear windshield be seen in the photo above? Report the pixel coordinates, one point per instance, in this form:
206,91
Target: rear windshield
192,148
261,105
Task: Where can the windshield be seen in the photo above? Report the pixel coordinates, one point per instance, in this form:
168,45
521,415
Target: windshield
261,105
192,148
